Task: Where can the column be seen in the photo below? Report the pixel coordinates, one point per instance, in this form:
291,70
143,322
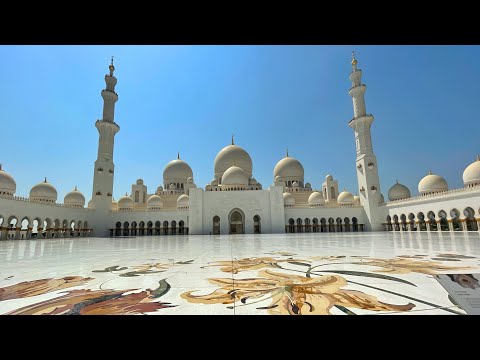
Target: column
427,222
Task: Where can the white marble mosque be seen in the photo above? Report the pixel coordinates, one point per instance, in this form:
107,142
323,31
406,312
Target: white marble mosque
234,202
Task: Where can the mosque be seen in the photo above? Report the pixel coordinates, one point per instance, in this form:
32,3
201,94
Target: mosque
234,202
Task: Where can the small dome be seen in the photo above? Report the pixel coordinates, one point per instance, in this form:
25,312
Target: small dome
139,182
44,192
74,199
432,184
289,168
183,200
398,192
172,187
160,188
356,199
308,185
471,175
228,155
288,199
253,181
125,203
295,184
7,183
345,198
234,176
316,198
154,201
177,170
329,178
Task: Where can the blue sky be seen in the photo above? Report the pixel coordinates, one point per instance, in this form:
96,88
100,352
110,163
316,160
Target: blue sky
192,98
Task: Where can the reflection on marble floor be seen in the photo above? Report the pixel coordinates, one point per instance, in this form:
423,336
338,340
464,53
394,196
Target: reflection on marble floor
296,274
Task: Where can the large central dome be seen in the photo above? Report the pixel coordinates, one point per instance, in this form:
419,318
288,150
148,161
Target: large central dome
228,156
177,170
289,168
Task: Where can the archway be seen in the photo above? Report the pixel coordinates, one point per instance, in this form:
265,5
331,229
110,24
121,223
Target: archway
347,224
299,225
339,225
125,228
141,228
291,225
443,220
165,227
355,224
455,214
216,225
470,219
118,228
256,225
389,223
331,225
323,225
315,225
134,228
157,227
174,227
236,222
411,219
403,222
181,227
149,228
421,221
395,223
308,227
433,221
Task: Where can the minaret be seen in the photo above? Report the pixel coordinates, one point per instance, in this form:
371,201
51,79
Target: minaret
107,128
367,171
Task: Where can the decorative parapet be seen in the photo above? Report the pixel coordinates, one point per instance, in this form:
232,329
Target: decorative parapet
25,199
440,194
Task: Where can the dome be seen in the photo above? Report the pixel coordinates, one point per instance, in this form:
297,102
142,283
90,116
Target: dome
235,176
139,182
7,183
172,187
125,203
253,181
177,170
183,200
74,199
471,175
316,198
154,201
44,192
329,178
288,199
308,185
289,167
431,184
398,192
345,198
356,198
160,188
232,154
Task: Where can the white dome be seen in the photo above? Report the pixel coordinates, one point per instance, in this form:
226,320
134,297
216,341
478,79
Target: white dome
356,198
160,188
253,181
345,198
154,201
232,154
288,199
471,175
74,199
177,170
235,176
125,203
308,185
183,200
329,178
7,183
398,192
316,198
289,168
431,184
44,192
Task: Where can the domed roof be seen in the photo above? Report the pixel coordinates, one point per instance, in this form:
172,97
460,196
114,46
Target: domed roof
125,202
432,183
398,191
288,167
328,177
345,197
253,181
230,154
160,188
177,169
288,199
316,198
308,185
44,191
235,176
7,182
154,201
139,181
114,202
74,198
183,200
471,175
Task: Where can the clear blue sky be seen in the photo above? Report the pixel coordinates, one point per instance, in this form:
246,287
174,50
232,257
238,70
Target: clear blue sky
191,98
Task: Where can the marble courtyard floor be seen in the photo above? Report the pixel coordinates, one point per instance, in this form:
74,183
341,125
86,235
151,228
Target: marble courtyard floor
298,274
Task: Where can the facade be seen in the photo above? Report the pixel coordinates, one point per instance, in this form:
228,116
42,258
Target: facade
234,202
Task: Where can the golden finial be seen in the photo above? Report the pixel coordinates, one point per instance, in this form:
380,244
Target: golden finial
354,61
233,142
111,67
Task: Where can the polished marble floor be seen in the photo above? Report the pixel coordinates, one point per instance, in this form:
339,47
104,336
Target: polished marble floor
297,274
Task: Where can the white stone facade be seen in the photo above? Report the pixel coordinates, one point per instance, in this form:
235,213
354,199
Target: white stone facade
234,201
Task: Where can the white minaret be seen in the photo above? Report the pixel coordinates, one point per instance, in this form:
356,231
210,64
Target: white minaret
367,170
107,128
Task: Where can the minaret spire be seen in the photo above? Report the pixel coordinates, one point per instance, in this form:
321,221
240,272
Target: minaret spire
366,162
111,67
178,155
233,142
287,152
